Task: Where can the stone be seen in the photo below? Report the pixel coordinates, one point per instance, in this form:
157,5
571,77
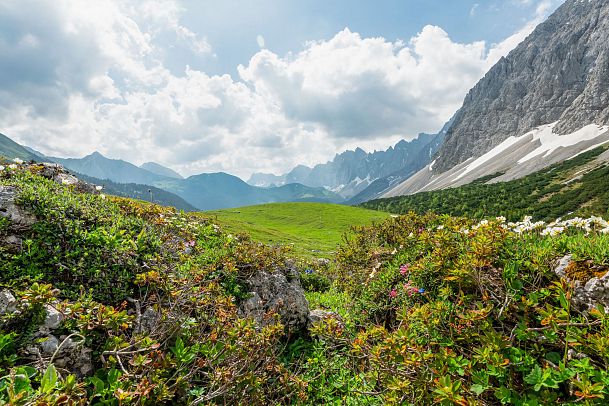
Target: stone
59,174
273,291
554,75
49,345
8,303
20,219
563,263
589,294
53,317
149,321
317,315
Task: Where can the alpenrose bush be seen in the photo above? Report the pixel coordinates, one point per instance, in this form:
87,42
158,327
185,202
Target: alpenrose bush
105,263
463,312
433,310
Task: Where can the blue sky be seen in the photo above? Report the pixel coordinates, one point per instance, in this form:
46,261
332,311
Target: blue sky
233,25
244,86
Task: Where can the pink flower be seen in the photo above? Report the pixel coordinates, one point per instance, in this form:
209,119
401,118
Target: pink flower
404,269
393,293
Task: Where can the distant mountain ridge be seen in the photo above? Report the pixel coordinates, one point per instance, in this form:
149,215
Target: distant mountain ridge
161,170
98,166
210,191
204,192
546,102
353,172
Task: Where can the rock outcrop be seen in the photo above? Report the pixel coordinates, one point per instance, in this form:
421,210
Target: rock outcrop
587,294
276,292
558,74
544,103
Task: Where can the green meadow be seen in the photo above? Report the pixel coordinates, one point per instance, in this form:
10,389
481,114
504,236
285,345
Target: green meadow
313,229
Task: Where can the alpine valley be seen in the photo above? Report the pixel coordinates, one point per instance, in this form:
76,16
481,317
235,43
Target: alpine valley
465,267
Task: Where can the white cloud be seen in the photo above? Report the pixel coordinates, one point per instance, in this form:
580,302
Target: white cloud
260,41
78,76
474,9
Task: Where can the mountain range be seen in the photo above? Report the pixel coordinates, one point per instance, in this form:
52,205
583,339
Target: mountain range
154,182
546,102
357,175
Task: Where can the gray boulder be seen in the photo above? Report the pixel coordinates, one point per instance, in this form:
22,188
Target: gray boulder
59,174
8,303
65,353
20,220
274,292
53,318
587,295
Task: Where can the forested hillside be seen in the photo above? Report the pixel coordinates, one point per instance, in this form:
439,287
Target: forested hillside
579,186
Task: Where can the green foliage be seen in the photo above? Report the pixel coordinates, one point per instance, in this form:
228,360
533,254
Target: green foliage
464,313
570,187
430,309
79,241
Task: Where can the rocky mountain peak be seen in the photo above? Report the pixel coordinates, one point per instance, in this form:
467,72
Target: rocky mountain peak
558,74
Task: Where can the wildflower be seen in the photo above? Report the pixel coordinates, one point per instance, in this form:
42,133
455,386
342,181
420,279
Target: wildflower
404,269
393,293
441,227
308,271
501,219
12,166
99,188
17,161
103,196
1,168
421,290
65,182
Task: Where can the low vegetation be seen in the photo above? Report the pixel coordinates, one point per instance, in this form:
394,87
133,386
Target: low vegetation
430,309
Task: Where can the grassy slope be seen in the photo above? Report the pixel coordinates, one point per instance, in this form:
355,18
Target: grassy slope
10,149
310,227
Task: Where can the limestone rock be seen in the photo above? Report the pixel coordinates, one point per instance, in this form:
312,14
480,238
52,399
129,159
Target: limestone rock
49,345
19,219
589,294
53,318
559,73
59,174
149,321
318,315
69,355
563,263
8,303
272,291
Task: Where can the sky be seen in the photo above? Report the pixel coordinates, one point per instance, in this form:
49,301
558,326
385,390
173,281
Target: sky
244,86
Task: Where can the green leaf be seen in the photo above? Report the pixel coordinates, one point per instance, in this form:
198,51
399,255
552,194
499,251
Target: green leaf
554,357
478,389
534,377
49,379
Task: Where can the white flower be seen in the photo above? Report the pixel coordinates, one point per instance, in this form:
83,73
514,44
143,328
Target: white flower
17,161
12,166
65,182
440,227
99,188
501,219
103,196
1,168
